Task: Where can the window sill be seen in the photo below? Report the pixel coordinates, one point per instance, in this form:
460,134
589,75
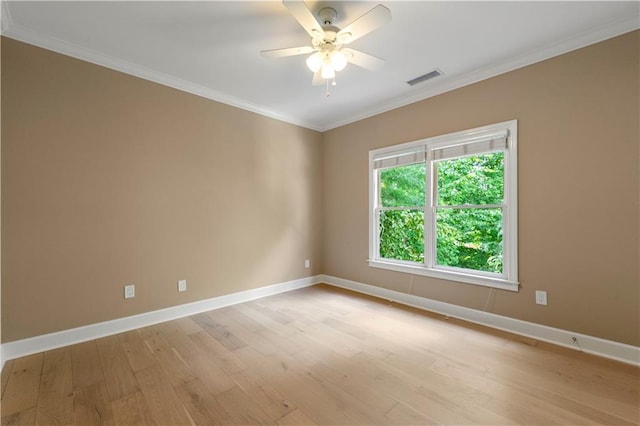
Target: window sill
447,275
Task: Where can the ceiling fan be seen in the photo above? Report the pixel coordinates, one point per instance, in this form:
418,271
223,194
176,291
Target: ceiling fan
327,52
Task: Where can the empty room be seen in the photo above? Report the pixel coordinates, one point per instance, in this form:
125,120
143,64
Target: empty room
320,213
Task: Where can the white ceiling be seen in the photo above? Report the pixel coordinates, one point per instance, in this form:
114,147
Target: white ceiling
211,48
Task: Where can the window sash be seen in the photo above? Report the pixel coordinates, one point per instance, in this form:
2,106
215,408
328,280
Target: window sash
379,210
432,262
487,144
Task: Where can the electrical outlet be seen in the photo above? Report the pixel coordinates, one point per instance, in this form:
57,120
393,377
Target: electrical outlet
307,263
129,291
182,285
541,297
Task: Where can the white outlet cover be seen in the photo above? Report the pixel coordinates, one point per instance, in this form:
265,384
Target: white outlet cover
541,297
129,291
182,285
307,263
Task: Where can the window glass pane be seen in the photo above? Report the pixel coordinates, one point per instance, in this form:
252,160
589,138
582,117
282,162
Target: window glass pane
403,186
476,179
469,238
402,235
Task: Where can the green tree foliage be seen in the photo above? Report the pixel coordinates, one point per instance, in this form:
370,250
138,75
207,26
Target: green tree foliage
402,231
403,186
468,236
402,235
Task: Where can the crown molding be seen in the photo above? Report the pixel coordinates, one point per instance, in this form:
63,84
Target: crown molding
592,36
5,17
29,36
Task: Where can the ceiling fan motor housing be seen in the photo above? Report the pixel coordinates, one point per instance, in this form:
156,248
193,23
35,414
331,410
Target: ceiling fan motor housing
327,15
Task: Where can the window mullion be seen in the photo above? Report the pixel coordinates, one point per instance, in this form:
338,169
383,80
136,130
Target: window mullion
472,206
377,205
377,233
429,217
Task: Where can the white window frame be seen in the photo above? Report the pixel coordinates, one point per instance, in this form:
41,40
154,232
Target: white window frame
508,280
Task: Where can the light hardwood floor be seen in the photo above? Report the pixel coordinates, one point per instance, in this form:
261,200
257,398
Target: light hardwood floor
317,356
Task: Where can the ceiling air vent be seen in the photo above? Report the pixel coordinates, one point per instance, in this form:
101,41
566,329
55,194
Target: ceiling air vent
424,77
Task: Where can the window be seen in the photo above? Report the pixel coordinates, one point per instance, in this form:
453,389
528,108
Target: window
447,207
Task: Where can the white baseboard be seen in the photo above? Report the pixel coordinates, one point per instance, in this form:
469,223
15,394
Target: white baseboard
32,345
594,345
589,344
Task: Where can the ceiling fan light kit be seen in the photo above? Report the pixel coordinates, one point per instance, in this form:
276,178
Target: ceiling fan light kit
328,55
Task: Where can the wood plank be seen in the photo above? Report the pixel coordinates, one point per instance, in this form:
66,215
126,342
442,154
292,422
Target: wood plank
585,406
55,396
132,410
119,378
166,355
242,409
22,418
228,361
264,394
249,333
454,396
174,366
154,338
407,390
277,315
187,325
268,323
524,408
402,414
6,373
91,406
295,418
321,401
215,379
162,400
180,341
328,338
203,408
23,383
138,353
238,318
291,346
355,381
87,368
218,332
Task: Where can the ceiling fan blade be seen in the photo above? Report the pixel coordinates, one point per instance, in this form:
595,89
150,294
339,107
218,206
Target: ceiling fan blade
317,79
373,19
303,15
362,59
290,51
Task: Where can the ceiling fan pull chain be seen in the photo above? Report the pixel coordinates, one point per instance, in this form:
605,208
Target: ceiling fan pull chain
328,94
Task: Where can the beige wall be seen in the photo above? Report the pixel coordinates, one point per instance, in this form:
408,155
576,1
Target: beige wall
108,179
578,188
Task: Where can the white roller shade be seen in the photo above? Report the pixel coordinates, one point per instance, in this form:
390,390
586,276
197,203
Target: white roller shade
481,146
401,157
